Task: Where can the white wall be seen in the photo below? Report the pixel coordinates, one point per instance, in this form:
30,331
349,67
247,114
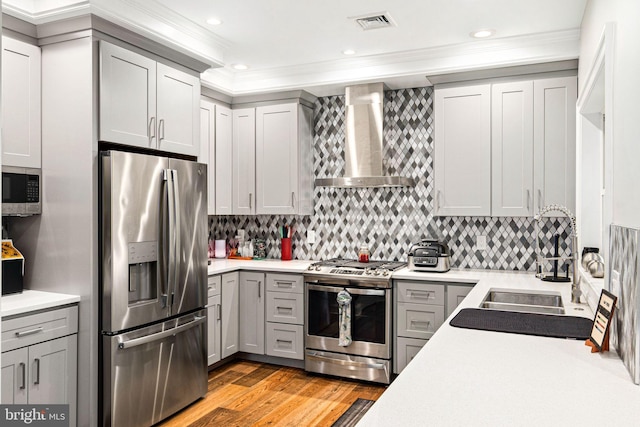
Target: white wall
626,97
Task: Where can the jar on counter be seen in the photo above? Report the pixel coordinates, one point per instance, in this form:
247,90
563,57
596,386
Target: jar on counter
364,254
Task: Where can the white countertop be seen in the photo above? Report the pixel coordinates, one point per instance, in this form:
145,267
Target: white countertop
29,301
219,266
465,377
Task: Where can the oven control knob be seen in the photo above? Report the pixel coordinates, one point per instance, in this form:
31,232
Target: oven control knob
384,272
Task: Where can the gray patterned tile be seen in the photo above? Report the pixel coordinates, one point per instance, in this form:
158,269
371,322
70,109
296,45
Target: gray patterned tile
625,332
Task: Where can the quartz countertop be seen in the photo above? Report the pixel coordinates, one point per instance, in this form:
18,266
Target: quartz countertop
28,301
465,377
219,266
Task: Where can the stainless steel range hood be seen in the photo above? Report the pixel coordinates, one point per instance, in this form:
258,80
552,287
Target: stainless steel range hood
363,150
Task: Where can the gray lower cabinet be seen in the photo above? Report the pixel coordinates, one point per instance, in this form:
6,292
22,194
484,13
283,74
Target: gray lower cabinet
285,316
214,319
229,296
421,308
252,312
39,364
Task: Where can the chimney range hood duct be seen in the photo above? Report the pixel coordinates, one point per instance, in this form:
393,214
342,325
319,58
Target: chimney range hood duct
363,151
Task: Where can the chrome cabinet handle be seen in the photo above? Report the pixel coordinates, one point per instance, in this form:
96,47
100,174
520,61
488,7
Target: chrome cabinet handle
37,379
23,376
29,332
152,129
287,310
160,130
259,286
293,199
418,294
528,200
286,284
250,200
219,311
438,193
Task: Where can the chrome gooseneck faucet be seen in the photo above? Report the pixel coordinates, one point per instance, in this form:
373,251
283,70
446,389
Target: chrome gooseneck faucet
575,284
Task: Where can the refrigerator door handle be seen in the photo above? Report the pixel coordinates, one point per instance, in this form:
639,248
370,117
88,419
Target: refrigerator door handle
177,223
124,344
169,176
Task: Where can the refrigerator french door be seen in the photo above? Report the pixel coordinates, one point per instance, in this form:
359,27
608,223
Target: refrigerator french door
153,285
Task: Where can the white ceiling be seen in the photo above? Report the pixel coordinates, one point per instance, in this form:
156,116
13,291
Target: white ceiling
291,44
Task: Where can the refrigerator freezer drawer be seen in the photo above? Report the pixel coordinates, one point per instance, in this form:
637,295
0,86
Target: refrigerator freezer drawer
153,372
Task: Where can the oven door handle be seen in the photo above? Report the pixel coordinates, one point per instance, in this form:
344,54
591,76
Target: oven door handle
346,362
355,291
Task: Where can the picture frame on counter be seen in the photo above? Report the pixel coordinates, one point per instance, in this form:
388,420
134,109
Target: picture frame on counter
599,338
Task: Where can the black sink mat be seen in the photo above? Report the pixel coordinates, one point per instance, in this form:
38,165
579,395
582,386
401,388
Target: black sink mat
543,325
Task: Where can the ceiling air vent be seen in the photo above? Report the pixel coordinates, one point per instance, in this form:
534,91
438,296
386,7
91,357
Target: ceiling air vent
374,21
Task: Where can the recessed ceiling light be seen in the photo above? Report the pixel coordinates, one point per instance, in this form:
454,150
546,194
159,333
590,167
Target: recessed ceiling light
214,21
349,52
482,34
240,66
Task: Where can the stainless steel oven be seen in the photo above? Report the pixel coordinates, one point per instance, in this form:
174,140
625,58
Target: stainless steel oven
368,355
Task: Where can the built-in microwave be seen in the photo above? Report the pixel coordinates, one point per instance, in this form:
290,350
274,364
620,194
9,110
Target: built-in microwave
21,191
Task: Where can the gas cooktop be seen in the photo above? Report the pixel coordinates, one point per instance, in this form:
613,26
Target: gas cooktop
350,267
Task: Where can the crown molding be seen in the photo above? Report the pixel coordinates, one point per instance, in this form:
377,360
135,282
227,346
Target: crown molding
476,55
147,18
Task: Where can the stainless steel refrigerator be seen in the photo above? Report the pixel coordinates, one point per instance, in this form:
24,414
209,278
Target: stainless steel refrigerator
153,286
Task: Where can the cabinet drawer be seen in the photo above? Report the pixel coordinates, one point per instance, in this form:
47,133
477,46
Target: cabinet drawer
213,285
420,293
285,283
285,307
419,320
34,328
407,349
285,341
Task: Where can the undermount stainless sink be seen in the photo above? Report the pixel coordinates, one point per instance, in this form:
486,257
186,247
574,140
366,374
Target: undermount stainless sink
524,301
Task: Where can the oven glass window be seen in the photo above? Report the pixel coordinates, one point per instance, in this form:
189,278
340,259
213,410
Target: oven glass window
367,316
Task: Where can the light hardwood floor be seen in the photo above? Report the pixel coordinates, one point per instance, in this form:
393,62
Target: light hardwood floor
244,393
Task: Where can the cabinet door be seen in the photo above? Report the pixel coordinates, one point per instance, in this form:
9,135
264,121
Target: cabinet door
52,373
276,159
512,149
214,322
21,117
14,377
178,111
252,309
127,97
224,161
230,296
407,350
554,110
455,295
463,151
244,161
208,150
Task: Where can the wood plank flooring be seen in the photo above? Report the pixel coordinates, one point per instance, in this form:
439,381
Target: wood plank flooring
244,393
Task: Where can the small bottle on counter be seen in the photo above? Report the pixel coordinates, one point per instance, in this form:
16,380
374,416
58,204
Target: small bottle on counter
363,254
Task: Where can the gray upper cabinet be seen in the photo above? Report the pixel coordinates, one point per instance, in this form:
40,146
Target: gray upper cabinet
244,161
554,110
505,149
21,104
463,151
283,159
147,104
512,149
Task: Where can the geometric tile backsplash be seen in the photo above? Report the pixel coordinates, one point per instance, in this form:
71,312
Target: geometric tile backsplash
389,220
625,328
